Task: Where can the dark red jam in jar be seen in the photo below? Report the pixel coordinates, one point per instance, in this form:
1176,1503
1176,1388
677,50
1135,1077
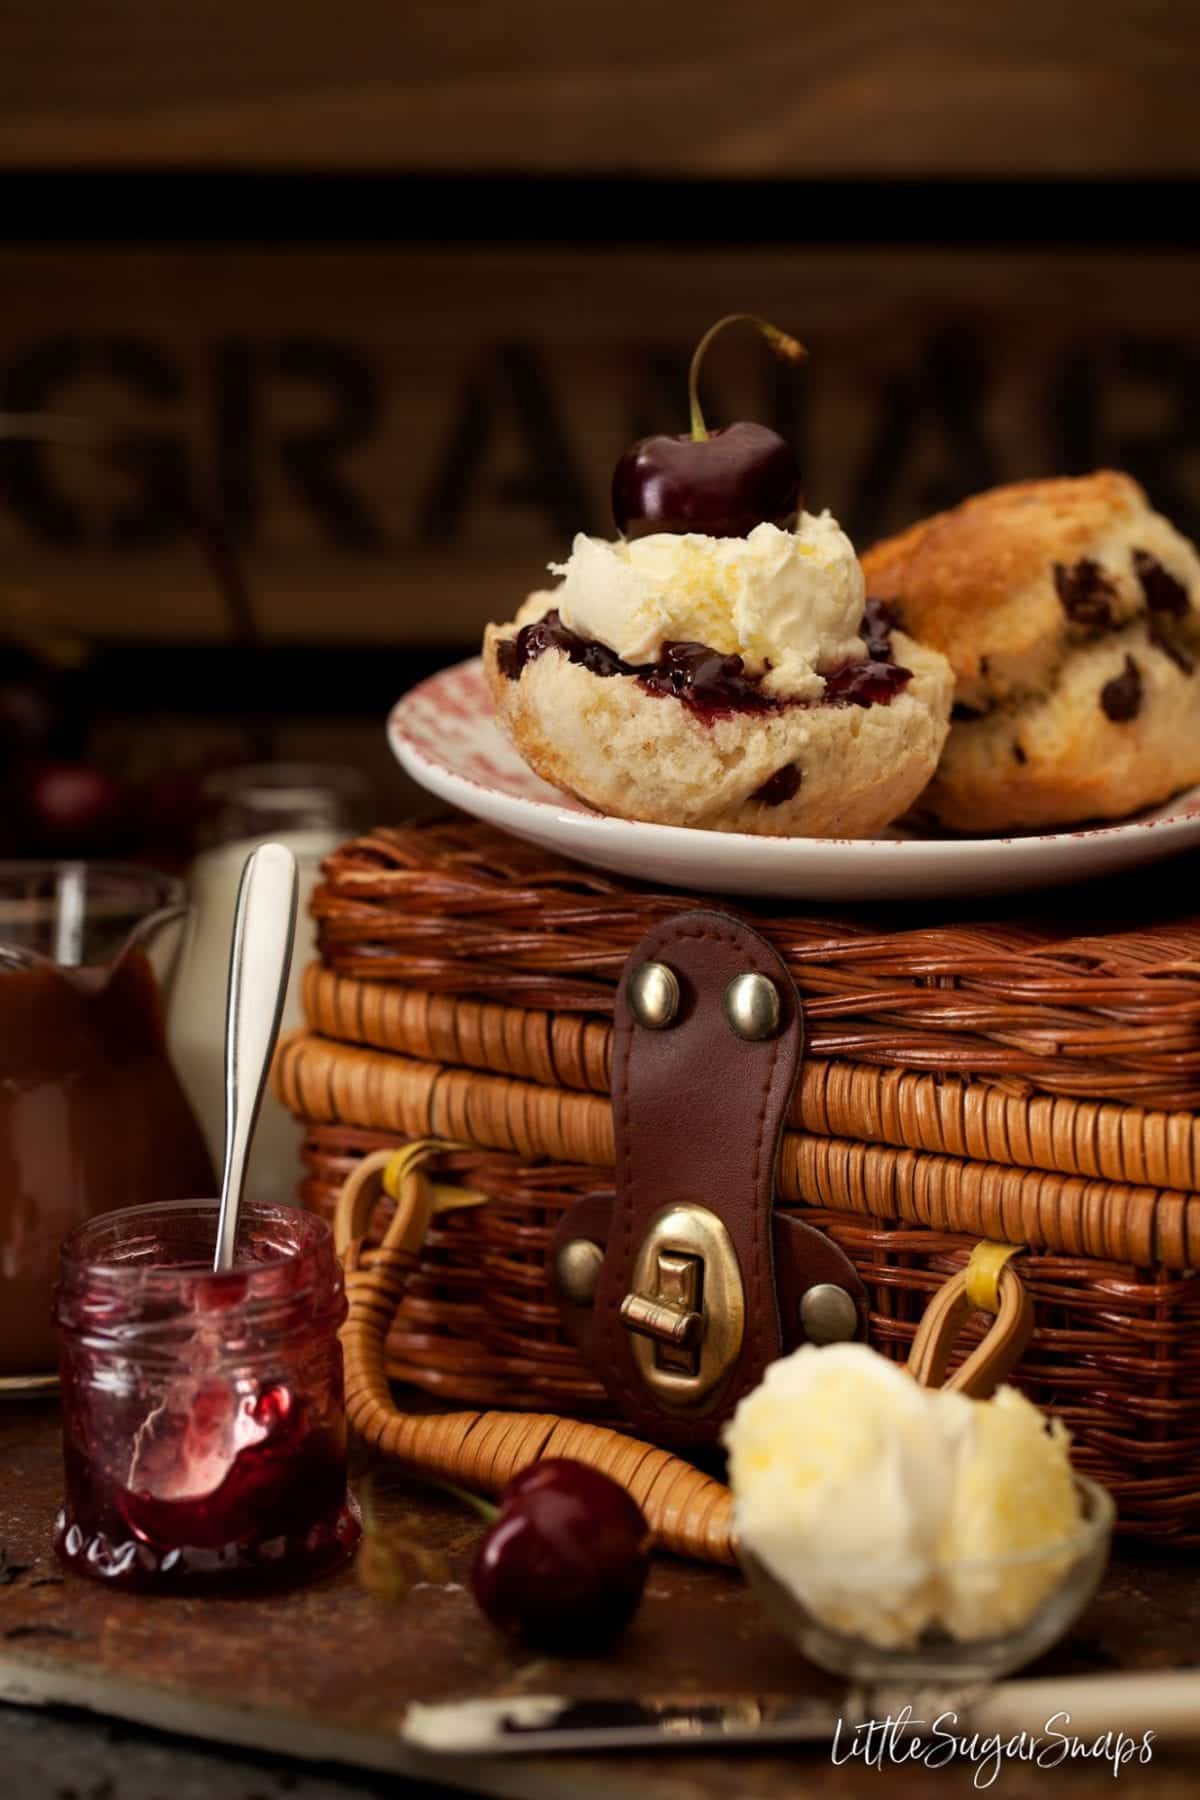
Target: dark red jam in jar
204,1431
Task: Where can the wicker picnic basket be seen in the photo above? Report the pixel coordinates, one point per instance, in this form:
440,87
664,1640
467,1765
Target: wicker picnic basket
1018,1079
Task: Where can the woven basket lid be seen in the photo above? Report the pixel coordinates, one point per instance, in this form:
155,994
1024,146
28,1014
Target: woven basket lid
1093,995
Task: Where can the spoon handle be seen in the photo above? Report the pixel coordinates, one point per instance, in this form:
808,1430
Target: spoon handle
263,930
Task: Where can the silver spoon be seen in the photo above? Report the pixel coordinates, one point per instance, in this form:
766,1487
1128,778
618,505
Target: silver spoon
263,929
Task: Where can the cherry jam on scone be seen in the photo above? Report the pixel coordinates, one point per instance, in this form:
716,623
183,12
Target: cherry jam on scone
711,685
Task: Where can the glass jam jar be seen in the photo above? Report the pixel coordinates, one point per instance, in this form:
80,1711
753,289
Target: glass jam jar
204,1430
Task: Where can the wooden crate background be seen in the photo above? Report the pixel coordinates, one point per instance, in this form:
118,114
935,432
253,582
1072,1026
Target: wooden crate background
864,87
402,428
402,437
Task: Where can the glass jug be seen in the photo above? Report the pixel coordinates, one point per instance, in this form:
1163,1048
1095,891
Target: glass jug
92,1115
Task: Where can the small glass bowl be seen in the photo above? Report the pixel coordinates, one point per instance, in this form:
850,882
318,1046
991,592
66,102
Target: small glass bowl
936,1656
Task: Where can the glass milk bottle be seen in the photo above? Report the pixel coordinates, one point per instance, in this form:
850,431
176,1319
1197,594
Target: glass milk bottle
310,808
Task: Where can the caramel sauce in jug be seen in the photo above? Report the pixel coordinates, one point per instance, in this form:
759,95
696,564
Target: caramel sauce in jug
92,1118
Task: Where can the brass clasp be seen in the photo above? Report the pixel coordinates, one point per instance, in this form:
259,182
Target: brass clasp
687,1310
670,1315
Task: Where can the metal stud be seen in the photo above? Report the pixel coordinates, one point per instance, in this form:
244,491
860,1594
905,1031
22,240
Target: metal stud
577,1270
654,995
828,1314
752,1006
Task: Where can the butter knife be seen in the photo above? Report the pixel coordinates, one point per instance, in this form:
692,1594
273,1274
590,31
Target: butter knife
1165,1703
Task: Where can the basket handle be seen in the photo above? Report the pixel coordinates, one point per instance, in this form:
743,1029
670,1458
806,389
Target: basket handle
688,1511
989,1283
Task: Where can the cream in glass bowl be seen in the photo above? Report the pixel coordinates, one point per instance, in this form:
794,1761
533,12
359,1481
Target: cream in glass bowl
902,1532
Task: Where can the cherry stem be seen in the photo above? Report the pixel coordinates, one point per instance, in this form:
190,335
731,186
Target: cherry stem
788,348
489,1513
485,1509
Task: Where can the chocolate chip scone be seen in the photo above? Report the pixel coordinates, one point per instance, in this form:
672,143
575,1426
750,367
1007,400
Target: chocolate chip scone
1070,613
691,739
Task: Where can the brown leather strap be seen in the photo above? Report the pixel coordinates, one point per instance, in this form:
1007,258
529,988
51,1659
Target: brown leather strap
990,1361
697,1113
804,1259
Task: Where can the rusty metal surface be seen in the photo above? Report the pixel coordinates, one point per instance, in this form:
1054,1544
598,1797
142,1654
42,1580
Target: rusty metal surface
50,1756
334,1657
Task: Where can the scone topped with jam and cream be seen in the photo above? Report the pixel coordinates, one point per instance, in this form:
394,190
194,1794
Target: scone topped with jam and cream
1070,612
718,665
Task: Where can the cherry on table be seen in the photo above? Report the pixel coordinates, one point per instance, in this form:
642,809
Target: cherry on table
722,483
564,1565
72,808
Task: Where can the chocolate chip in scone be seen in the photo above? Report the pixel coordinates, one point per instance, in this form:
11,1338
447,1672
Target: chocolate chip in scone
880,619
783,785
1019,754
1175,652
985,664
1121,697
1086,592
508,658
1164,593
962,714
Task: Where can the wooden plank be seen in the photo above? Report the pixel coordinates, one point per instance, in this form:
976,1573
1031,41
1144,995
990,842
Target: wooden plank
402,439
698,87
326,1672
28,1682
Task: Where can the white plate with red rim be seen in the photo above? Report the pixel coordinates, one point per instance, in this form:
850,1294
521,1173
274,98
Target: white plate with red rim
444,735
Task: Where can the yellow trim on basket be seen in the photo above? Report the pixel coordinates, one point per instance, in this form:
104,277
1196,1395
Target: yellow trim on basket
403,1162
407,1160
983,1273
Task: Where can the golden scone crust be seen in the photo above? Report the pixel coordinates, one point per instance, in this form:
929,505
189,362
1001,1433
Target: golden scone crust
1037,593
645,756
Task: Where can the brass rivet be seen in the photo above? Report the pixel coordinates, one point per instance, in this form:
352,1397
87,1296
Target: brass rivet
577,1270
828,1314
752,1006
654,995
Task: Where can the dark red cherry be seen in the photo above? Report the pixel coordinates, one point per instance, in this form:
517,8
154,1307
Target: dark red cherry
73,808
721,483
564,1565
724,484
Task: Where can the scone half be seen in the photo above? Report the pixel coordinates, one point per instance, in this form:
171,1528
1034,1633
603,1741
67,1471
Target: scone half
1070,612
798,771
1118,732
